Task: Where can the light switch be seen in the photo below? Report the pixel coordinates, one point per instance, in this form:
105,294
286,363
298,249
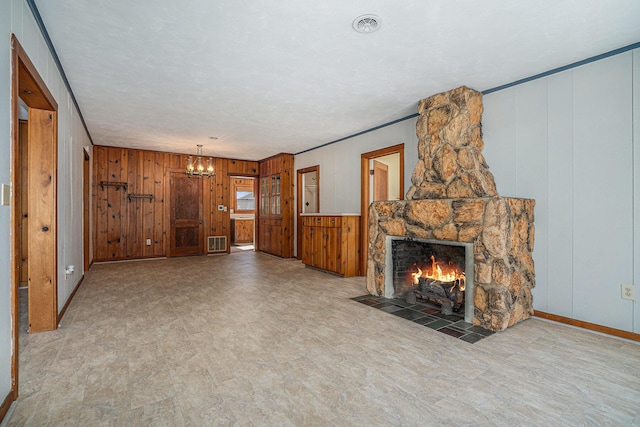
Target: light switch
6,195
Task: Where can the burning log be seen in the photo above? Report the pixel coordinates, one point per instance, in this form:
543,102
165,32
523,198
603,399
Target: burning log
441,283
446,294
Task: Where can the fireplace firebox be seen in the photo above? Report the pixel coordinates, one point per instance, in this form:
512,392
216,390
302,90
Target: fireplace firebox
433,271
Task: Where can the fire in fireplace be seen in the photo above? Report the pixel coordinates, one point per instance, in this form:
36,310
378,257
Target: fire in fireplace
433,272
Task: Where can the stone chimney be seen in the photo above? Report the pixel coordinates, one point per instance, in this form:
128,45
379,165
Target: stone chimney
450,147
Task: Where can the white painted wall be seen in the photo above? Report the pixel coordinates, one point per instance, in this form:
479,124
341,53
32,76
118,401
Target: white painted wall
340,164
16,17
5,213
567,140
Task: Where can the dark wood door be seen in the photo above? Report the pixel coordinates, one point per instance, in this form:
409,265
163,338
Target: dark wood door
186,215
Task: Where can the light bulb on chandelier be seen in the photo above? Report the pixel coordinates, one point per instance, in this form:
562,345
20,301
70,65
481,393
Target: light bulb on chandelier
198,168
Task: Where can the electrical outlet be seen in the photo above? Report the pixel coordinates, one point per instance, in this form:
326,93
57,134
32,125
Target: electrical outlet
148,242
628,292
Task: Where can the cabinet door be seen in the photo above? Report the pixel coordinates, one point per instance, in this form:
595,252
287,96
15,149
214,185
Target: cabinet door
264,236
331,251
275,195
316,243
264,195
307,238
276,238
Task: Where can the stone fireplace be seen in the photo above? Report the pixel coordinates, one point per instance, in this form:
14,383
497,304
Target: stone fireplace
453,201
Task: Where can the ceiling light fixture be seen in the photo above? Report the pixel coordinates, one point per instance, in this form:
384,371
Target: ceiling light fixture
198,168
366,24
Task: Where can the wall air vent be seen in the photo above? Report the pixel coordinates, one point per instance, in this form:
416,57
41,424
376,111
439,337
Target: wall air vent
217,244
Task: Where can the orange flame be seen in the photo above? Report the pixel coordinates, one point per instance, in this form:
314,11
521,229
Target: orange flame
453,274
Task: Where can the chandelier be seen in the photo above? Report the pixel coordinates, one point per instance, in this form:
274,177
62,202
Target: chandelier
198,168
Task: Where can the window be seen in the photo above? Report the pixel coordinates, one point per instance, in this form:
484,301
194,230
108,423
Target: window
243,197
245,200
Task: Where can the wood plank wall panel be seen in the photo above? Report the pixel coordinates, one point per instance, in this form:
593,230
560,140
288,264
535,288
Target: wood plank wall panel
99,198
114,205
134,228
220,220
287,201
122,227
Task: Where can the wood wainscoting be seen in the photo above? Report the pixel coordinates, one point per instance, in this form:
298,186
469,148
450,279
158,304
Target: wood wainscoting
131,199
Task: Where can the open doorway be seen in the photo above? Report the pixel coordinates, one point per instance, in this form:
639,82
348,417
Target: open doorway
34,201
382,178
308,198
243,214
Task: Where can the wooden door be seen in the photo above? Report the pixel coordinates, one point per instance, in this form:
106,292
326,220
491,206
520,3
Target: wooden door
332,245
43,262
186,215
380,181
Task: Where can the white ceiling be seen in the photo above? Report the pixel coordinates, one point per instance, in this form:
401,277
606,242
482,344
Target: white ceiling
272,76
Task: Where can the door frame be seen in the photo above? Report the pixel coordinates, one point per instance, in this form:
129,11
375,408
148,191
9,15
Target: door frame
299,191
365,158
86,208
26,83
256,194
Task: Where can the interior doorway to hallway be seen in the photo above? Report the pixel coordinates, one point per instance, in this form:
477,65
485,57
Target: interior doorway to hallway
381,178
34,200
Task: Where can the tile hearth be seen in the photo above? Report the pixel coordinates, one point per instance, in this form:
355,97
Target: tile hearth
427,315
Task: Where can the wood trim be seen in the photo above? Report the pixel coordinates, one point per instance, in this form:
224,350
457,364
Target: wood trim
590,326
6,404
364,197
40,96
299,190
15,155
66,305
86,207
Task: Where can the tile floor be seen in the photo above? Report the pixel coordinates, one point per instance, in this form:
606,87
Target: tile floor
427,315
254,340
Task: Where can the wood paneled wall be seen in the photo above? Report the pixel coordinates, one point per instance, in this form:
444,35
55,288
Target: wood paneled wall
122,226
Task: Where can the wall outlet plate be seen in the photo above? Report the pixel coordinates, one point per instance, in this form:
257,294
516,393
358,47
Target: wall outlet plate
628,292
148,242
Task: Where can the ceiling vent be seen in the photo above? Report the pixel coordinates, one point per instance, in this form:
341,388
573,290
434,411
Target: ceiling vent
367,24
